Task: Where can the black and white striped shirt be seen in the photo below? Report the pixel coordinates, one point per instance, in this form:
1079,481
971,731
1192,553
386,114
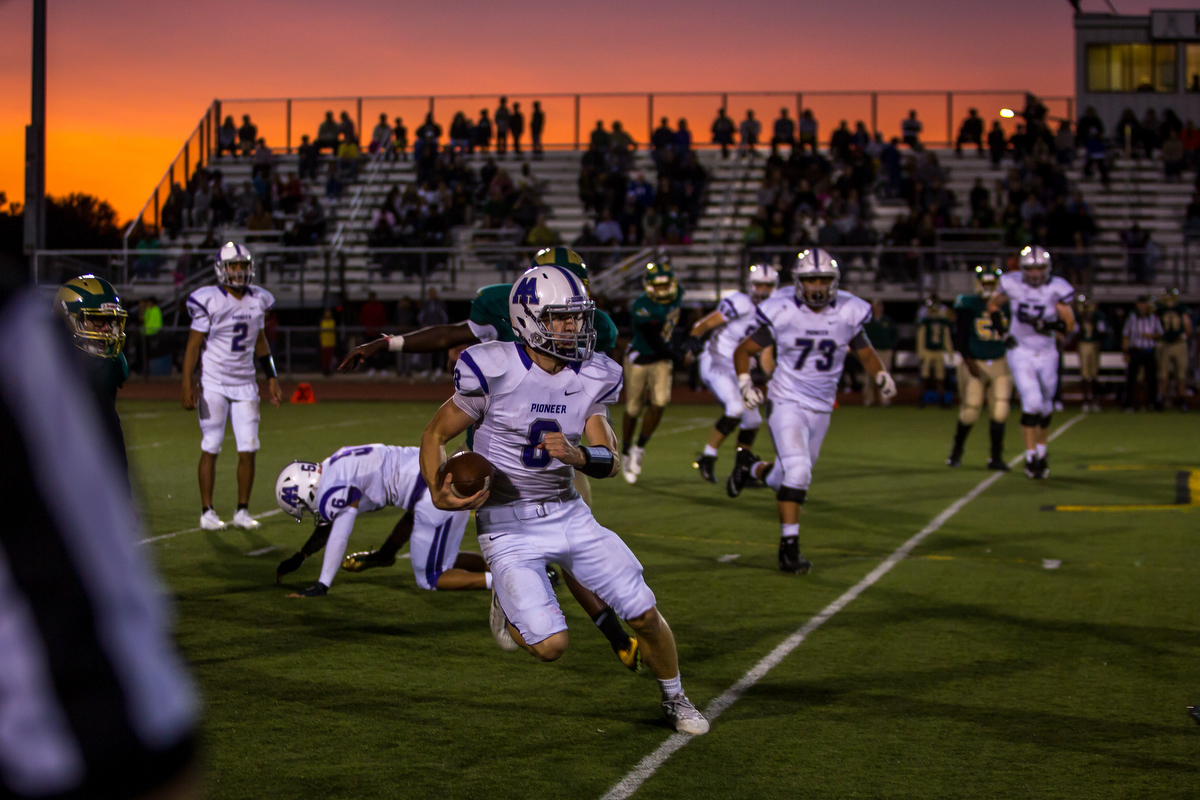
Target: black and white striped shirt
96,701
1141,331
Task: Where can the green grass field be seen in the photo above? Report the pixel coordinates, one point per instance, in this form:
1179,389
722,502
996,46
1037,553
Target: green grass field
969,670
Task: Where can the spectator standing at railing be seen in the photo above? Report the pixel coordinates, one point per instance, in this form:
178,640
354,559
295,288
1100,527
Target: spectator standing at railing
307,156
381,136
785,130
683,139
502,118
1141,332
997,144
1096,157
1090,121
516,127
346,129
483,131
348,155
722,132
460,134
247,135
400,139
911,128
1172,156
264,161
840,143
328,342
808,133
328,134
970,132
599,140
227,138
537,125
749,130
662,138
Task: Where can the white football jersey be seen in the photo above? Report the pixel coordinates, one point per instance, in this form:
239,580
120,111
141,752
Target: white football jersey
811,346
514,403
738,311
1028,303
232,326
376,475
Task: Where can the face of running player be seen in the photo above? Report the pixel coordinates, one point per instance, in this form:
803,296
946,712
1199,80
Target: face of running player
816,289
237,273
1034,276
761,291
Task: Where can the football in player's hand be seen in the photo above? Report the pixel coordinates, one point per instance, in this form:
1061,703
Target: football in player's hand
470,473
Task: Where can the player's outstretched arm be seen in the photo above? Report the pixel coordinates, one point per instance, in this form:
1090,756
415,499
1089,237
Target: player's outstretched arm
449,422
874,367
262,351
752,346
714,319
1067,315
190,357
426,340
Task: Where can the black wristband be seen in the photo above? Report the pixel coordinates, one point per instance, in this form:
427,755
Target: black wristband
597,462
268,365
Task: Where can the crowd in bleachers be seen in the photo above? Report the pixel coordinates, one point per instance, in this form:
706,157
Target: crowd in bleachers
627,208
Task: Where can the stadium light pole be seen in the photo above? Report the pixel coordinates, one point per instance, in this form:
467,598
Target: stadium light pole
35,145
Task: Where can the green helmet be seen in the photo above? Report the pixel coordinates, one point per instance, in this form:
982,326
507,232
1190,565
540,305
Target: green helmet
94,311
659,282
563,257
987,279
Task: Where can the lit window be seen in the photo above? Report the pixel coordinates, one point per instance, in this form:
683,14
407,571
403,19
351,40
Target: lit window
1136,67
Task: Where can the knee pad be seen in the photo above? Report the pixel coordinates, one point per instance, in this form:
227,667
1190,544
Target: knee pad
969,415
726,425
1045,423
787,494
746,436
797,471
1031,420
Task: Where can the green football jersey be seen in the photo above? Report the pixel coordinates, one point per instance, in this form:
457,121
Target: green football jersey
490,307
983,341
1172,323
108,374
1092,327
936,325
882,332
653,326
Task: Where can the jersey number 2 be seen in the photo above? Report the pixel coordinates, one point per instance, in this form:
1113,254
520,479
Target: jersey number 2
826,347
240,332
531,456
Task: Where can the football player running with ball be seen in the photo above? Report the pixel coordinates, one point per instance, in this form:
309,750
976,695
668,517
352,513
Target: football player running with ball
531,403
979,339
361,479
227,321
812,330
650,363
489,321
731,322
1040,306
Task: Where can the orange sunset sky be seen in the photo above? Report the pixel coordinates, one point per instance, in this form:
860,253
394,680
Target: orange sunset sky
128,79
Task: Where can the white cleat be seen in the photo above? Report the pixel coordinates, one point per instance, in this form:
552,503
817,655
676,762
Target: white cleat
684,716
209,521
499,625
635,459
627,468
243,520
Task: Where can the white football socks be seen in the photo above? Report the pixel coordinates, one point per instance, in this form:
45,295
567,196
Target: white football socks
710,451
487,577
1040,449
787,531
1030,455
671,687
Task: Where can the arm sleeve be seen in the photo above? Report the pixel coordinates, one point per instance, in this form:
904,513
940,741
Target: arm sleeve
763,336
200,319
335,548
860,341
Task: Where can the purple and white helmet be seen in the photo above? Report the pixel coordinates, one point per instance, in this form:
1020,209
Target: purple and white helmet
543,294
235,266
816,263
296,488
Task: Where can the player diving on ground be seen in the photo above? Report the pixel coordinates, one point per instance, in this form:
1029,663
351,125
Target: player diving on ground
811,330
531,404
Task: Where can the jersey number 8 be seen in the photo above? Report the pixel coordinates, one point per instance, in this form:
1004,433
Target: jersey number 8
531,456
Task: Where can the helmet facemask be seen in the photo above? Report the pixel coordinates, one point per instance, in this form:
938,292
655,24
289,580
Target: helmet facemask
235,273
817,291
578,343
100,333
662,288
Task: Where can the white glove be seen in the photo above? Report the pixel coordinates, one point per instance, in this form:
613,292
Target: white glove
887,386
751,395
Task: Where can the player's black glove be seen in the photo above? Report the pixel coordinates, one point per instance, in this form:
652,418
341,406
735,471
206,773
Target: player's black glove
693,345
1047,328
289,565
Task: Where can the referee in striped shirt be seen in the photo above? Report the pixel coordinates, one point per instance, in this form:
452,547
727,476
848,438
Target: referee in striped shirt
1143,329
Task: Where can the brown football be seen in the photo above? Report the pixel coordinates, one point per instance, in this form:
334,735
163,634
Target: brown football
470,473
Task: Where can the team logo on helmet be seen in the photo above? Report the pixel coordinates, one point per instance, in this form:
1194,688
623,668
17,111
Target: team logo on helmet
235,266
552,314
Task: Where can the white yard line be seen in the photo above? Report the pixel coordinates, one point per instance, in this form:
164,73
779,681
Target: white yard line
650,764
193,530
699,422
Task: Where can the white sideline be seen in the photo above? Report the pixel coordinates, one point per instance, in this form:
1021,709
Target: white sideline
193,530
650,764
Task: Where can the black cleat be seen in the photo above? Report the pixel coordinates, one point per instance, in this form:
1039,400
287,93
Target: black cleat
790,559
705,464
742,463
955,459
318,589
1194,712
554,573
998,465
1031,469
357,562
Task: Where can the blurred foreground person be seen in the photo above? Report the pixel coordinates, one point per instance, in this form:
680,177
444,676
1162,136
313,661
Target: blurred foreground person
94,700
